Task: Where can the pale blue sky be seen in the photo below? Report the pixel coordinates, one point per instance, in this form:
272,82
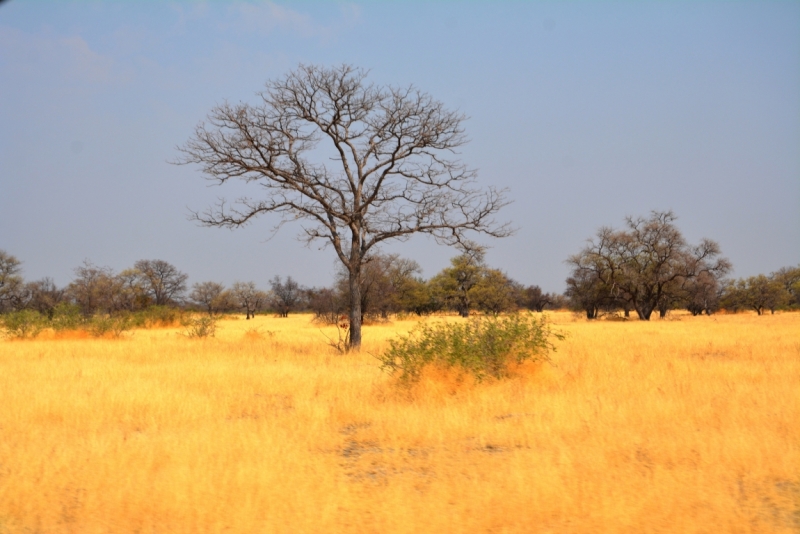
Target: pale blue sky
587,111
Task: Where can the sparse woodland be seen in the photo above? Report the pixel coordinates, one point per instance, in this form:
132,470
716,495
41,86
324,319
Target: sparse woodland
655,394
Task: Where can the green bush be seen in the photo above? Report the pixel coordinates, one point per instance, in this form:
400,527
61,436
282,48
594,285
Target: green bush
200,327
67,316
480,346
157,316
23,324
109,325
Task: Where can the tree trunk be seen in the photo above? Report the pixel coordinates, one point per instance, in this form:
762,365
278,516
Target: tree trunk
354,343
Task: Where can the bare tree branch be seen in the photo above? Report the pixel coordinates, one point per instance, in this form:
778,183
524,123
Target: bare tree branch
359,164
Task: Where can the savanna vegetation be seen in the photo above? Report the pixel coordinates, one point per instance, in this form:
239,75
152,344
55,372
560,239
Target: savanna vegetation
133,402
681,425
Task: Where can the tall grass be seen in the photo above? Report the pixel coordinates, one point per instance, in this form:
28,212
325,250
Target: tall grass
671,426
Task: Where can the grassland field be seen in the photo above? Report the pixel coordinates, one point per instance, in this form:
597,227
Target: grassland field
690,424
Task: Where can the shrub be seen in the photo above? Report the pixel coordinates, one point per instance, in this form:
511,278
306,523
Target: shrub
155,316
23,324
481,346
109,325
202,326
67,316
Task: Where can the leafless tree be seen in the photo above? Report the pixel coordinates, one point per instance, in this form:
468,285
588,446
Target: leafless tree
385,171
248,297
285,295
95,290
210,296
326,303
163,282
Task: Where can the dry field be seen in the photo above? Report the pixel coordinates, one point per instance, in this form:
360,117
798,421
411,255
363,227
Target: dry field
683,425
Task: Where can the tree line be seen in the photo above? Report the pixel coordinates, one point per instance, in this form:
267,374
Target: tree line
389,285
645,268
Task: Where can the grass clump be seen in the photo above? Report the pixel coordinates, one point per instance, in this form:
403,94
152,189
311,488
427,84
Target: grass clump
200,327
482,347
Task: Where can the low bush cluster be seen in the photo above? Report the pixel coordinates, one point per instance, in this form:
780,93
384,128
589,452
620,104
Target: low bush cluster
200,326
483,347
27,324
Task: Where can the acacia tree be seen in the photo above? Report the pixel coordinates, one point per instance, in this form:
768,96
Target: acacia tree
533,298
646,265
95,290
384,172
248,297
761,292
285,295
702,293
162,281
455,284
211,296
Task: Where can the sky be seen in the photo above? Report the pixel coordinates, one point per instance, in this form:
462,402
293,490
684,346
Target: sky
587,112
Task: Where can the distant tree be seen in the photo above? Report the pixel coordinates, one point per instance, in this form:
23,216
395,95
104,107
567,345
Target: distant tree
533,298
558,302
385,171
455,284
163,283
285,295
44,296
646,265
248,297
326,303
760,293
386,280
418,297
494,292
399,283
586,290
789,278
10,280
211,297
95,290
133,290
702,293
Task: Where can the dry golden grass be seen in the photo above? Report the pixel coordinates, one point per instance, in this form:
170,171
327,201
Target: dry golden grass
689,425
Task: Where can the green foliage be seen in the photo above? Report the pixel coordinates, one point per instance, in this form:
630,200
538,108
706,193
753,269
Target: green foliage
23,324
109,325
155,316
67,316
481,346
200,327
